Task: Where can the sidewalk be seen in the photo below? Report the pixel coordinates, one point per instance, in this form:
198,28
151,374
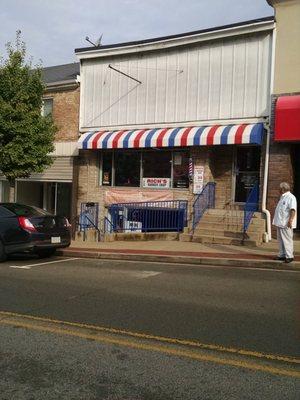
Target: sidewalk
184,252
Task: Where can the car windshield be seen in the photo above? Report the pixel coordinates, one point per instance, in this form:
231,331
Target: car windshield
24,210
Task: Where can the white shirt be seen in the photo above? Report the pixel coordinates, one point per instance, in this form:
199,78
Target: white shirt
286,203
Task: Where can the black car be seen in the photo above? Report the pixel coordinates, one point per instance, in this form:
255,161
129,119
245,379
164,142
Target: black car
26,228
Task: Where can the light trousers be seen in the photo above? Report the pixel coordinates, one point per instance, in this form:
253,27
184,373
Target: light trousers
285,241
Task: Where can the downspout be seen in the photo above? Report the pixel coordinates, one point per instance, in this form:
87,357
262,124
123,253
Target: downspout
268,233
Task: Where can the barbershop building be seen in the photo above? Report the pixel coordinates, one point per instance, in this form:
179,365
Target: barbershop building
160,118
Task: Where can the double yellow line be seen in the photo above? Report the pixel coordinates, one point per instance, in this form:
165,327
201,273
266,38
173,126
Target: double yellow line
170,346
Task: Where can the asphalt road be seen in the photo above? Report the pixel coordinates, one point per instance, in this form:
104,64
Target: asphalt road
222,310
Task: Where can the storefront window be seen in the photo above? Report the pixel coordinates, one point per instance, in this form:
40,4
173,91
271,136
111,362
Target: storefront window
127,168
157,164
160,169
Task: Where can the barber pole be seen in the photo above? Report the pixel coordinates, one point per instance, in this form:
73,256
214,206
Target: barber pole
191,168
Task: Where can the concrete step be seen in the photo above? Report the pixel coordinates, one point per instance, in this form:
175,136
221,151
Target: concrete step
229,220
224,233
234,213
185,237
223,240
235,227
91,235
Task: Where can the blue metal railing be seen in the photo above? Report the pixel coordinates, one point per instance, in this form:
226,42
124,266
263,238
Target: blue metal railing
250,207
154,216
108,226
203,201
88,218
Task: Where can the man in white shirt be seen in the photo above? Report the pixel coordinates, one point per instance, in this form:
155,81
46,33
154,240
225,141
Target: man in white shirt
285,219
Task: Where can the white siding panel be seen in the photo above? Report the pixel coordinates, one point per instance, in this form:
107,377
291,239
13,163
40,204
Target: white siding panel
238,84
203,83
214,81
226,79
265,45
192,85
251,81
182,79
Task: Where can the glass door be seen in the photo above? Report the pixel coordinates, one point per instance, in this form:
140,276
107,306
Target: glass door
247,171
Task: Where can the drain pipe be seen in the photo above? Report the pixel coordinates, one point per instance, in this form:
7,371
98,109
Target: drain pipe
268,233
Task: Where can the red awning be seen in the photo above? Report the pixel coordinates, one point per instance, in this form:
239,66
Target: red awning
287,119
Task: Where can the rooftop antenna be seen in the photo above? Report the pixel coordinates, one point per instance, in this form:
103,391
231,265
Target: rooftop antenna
97,43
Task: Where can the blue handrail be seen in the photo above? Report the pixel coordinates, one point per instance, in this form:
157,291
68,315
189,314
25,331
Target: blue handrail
250,207
108,226
203,201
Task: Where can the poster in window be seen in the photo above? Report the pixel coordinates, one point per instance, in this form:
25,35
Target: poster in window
177,158
106,180
198,179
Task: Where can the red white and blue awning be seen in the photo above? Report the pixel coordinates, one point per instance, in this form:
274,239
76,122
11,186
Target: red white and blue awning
173,137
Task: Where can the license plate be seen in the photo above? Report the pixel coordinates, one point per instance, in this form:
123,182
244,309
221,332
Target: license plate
55,239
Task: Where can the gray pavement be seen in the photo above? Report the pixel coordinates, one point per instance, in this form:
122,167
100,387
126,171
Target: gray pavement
37,366
253,310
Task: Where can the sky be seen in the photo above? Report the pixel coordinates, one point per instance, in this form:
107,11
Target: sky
52,29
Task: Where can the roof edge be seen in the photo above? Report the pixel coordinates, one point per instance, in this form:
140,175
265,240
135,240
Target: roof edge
176,36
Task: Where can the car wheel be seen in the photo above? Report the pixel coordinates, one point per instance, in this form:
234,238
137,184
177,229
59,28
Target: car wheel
2,252
46,253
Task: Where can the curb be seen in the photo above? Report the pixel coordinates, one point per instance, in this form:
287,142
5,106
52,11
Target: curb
209,261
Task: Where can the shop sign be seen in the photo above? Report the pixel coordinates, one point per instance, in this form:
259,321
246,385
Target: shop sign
198,179
133,226
156,183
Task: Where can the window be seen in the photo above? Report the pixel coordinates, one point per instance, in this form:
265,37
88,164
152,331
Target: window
127,168
180,170
160,168
106,173
157,164
47,107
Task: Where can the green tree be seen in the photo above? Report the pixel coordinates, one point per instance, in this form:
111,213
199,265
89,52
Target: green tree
26,137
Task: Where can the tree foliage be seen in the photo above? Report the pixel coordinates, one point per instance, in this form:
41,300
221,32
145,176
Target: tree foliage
26,137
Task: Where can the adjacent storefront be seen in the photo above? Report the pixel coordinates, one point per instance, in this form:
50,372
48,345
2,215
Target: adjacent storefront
287,136
50,190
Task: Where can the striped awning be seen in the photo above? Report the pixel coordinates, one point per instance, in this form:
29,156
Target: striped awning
173,137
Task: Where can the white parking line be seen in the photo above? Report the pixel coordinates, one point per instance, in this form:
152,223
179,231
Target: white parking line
38,264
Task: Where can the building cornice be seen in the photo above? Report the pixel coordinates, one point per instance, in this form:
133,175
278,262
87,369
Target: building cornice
69,84
262,25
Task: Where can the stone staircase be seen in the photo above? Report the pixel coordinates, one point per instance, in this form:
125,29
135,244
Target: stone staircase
226,227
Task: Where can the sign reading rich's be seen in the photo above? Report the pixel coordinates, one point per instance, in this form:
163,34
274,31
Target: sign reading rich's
156,183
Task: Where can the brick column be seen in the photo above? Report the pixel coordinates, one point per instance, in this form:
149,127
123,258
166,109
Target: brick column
280,170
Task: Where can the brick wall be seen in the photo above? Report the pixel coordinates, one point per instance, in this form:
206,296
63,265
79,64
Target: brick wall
65,113
280,170
221,163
